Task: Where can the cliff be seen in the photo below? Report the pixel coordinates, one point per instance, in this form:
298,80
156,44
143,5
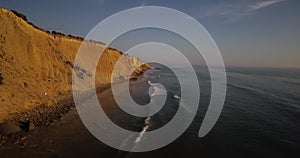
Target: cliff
36,66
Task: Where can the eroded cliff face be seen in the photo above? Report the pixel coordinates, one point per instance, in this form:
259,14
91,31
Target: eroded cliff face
36,67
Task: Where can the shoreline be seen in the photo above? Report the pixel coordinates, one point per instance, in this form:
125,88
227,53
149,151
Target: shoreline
15,129
65,136
54,135
42,115
40,119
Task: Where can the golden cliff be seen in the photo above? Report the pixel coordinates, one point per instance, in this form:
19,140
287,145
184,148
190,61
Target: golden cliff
36,66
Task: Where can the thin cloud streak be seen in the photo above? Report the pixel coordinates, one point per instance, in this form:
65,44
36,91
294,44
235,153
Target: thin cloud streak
263,4
235,11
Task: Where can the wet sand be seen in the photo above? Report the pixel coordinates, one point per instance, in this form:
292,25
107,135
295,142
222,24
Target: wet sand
66,138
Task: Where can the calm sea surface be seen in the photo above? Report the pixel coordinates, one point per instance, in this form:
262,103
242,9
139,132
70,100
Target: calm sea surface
261,115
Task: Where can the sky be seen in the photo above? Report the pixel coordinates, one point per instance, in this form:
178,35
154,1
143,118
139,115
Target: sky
249,33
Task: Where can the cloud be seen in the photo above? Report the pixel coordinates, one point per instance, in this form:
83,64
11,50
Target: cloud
263,4
235,11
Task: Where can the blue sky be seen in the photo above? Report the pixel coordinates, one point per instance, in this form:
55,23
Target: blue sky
259,33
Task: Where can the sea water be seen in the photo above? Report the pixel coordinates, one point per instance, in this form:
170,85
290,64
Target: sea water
261,114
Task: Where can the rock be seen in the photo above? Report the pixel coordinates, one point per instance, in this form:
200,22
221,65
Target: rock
24,125
9,128
1,79
133,78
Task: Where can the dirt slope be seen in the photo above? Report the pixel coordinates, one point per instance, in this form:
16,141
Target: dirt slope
36,67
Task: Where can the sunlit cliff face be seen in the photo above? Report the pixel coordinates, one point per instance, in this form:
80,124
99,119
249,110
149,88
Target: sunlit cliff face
36,66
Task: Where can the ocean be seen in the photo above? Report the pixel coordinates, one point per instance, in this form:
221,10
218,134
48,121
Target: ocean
260,116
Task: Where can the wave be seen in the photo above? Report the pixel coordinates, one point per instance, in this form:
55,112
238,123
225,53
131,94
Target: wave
147,121
155,68
145,128
150,83
289,100
149,77
176,96
157,89
246,88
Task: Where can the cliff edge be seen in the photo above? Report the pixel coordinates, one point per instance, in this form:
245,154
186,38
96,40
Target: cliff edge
36,66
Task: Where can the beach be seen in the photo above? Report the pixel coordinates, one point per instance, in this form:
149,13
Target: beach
241,131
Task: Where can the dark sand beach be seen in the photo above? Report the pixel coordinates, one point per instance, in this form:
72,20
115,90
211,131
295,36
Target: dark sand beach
67,137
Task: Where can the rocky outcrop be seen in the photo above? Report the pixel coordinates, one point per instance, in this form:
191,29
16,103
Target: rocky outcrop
36,66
